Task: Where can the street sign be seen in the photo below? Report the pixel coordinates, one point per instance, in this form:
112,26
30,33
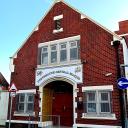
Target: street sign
13,88
122,83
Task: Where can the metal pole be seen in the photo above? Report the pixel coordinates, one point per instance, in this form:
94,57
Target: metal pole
125,110
10,111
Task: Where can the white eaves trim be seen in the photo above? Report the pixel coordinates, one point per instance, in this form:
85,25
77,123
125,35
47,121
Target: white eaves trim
104,87
27,91
83,15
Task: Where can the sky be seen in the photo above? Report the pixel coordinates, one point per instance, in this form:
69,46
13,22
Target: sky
19,17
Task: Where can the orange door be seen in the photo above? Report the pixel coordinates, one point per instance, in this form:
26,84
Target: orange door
63,106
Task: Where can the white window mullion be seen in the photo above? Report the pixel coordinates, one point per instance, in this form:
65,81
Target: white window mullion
68,52
97,103
49,55
25,103
58,54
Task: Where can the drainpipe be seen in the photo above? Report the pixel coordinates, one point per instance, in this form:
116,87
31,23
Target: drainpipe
116,45
125,91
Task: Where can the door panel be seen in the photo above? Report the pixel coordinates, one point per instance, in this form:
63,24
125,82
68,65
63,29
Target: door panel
63,106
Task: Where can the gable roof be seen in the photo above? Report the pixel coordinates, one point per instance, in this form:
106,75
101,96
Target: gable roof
56,1
3,81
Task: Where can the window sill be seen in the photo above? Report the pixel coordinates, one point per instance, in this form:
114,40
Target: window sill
60,64
57,31
23,114
101,116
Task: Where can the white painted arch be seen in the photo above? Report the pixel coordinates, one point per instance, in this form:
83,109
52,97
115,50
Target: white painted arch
73,83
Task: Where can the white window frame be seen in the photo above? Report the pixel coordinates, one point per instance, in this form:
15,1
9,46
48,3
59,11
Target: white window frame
55,18
58,42
99,115
26,102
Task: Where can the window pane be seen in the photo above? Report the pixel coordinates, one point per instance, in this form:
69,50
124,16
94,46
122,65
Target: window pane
29,107
21,107
105,107
104,96
44,58
91,107
30,98
91,96
63,55
21,97
45,49
73,54
53,57
57,24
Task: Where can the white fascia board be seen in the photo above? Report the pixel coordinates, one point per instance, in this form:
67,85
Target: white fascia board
58,17
60,40
27,91
103,87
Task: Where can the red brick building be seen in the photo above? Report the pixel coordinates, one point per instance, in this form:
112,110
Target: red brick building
66,73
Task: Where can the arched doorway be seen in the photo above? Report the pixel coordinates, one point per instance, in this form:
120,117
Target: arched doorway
58,100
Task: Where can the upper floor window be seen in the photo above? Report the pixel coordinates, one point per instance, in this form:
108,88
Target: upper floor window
59,52
63,52
73,50
44,55
53,53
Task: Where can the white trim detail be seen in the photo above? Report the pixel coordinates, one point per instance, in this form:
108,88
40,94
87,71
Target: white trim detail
103,87
23,121
126,34
83,16
60,40
58,17
27,91
57,31
107,117
23,114
95,126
